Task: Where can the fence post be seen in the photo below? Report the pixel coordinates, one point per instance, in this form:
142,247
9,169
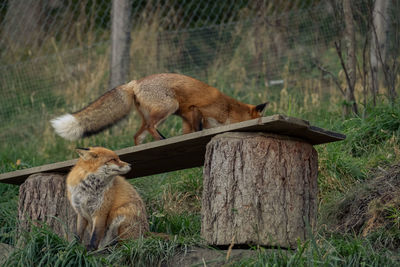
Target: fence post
120,41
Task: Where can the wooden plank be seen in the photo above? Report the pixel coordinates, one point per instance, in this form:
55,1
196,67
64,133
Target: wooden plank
187,151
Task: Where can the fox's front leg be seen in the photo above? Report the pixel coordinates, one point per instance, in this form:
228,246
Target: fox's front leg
192,120
97,234
196,119
81,224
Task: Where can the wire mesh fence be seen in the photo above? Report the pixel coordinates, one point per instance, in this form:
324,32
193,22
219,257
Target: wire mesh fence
55,55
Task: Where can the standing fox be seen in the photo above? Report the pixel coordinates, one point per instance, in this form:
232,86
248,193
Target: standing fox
156,97
104,200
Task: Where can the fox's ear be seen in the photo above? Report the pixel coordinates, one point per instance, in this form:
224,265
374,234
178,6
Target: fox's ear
261,107
84,153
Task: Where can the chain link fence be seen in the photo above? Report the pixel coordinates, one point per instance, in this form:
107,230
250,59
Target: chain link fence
30,28
55,54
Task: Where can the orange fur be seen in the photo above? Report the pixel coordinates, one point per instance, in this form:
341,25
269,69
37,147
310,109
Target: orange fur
197,103
156,97
104,200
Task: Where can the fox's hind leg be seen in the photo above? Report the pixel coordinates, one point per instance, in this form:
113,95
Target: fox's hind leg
141,134
111,237
156,119
197,119
152,117
150,127
153,110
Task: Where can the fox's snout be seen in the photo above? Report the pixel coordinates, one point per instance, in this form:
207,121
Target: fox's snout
119,167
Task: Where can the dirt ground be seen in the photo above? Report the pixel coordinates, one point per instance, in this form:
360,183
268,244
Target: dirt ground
197,256
368,206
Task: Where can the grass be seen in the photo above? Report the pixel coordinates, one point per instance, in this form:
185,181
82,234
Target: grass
42,247
331,251
173,201
8,212
371,143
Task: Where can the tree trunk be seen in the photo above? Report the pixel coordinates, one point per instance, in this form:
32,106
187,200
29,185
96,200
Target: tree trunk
120,42
22,22
378,45
350,38
42,198
258,189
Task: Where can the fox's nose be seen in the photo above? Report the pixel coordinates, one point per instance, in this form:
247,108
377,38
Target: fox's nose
128,166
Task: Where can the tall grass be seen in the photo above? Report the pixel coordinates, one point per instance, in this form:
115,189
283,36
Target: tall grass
332,251
371,142
8,213
42,247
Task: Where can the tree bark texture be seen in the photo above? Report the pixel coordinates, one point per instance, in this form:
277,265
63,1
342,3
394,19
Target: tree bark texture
259,189
23,21
350,39
380,27
42,198
120,41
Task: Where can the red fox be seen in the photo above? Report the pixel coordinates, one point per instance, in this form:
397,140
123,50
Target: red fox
104,200
156,97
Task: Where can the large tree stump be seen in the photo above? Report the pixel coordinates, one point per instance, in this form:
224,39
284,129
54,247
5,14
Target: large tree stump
42,198
258,189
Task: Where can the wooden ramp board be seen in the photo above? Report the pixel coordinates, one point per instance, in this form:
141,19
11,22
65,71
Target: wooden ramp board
187,151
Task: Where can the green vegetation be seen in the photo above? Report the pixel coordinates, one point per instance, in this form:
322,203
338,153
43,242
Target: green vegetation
173,202
330,251
42,247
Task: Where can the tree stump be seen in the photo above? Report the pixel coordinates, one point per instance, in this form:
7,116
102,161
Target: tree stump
259,189
42,198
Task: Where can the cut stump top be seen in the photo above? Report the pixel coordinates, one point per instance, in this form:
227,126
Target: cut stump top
187,151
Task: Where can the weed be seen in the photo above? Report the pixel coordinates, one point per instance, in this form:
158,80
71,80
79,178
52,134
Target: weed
146,252
42,247
331,251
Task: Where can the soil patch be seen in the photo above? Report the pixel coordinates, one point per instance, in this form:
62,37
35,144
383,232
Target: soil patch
369,206
198,256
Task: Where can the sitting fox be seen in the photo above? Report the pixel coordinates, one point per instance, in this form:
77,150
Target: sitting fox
156,97
103,200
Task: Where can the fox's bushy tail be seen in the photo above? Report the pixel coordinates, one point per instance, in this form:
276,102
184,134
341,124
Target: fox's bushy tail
99,115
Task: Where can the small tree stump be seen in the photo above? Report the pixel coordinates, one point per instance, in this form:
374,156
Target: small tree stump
42,198
258,189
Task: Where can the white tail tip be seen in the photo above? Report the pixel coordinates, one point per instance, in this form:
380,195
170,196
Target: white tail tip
68,127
